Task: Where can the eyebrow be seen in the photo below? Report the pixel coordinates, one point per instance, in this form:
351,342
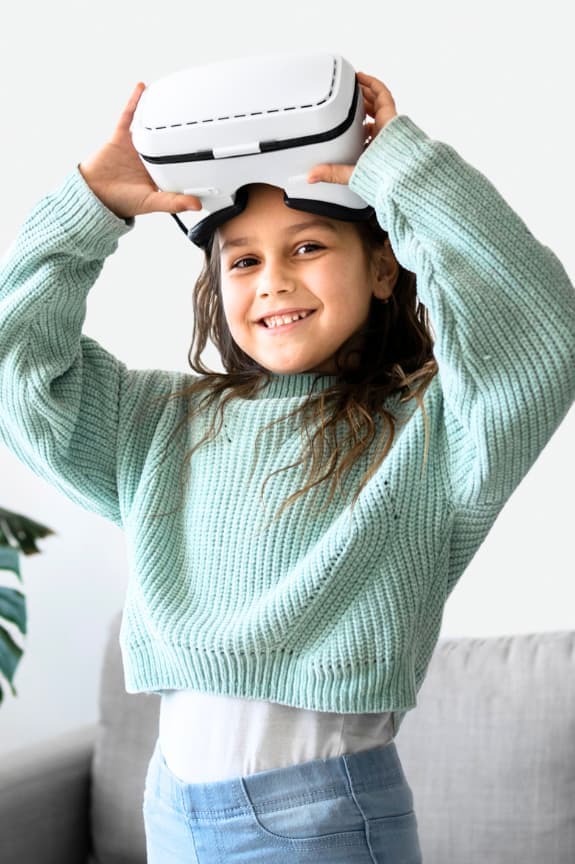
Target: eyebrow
293,229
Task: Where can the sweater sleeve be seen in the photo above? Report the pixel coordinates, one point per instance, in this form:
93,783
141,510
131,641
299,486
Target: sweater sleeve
501,305
61,393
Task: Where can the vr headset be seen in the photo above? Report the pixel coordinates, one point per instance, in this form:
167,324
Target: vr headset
211,130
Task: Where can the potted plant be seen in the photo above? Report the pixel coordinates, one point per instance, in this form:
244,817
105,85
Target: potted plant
18,534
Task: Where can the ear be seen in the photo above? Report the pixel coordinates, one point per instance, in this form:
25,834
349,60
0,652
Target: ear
385,271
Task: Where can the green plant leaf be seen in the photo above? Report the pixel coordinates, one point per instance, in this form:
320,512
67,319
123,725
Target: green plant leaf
13,607
20,533
10,655
9,560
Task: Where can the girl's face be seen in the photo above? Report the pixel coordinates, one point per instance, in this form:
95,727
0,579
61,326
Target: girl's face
277,260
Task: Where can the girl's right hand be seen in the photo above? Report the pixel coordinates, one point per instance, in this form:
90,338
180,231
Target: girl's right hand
117,175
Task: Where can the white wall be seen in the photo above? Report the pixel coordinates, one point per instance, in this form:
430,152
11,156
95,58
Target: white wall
492,79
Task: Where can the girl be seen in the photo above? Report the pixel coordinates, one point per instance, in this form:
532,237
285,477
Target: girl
334,482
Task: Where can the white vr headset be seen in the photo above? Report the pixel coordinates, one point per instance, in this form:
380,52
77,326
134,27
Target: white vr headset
210,131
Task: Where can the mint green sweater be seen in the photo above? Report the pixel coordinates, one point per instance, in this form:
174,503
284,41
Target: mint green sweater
332,611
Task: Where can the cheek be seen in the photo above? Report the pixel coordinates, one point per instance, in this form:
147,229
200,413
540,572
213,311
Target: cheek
347,275
234,307
228,298
347,292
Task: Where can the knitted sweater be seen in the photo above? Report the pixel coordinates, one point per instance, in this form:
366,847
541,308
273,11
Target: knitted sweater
334,609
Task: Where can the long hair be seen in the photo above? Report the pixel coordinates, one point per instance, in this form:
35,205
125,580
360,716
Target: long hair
396,357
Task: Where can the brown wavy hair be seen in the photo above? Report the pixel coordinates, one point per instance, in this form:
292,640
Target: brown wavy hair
396,356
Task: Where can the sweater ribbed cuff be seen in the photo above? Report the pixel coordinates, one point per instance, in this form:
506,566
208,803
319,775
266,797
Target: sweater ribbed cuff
391,153
88,223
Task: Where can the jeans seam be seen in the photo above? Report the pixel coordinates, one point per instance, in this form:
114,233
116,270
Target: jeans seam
358,805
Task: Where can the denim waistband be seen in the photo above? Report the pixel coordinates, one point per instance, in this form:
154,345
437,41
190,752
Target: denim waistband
377,768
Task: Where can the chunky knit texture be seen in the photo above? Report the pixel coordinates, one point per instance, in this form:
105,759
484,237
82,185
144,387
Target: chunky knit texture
336,610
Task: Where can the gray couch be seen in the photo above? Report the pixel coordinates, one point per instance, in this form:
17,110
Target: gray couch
489,753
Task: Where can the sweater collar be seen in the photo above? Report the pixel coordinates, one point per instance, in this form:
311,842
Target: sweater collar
295,384
300,384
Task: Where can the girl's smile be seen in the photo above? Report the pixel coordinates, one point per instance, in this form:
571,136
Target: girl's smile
280,321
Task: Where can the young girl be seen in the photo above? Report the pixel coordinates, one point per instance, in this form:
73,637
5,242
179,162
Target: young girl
295,524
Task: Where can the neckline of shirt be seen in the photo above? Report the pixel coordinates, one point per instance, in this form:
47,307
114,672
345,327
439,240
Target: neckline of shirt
300,384
295,384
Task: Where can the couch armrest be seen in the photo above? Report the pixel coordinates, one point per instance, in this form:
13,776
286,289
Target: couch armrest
44,800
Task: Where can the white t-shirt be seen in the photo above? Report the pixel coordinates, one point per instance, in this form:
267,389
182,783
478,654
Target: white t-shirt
207,737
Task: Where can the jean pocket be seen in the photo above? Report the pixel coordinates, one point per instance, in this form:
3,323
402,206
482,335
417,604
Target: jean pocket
309,818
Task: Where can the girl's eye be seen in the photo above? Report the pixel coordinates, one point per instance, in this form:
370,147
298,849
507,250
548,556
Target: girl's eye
241,262
308,246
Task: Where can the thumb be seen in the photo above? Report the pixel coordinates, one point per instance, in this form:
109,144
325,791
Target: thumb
330,173
172,202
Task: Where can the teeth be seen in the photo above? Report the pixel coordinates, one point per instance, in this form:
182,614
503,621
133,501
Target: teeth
278,320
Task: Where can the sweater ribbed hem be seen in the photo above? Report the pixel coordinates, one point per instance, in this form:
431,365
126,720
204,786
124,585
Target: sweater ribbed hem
271,678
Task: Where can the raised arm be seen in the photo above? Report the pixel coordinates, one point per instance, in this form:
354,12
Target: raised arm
67,406
501,303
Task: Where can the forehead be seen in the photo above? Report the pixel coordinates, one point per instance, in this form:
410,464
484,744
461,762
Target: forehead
266,214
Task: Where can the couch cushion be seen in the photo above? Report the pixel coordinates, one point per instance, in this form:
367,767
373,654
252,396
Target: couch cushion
489,751
125,740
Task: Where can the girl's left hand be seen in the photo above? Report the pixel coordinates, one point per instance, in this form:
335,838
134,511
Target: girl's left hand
380,106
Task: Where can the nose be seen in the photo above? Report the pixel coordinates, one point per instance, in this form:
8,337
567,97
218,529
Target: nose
274,278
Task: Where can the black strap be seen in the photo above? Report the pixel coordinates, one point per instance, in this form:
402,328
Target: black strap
180,223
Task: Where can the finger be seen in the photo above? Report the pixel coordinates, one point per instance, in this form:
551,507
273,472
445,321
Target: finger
370,80
377,87
171,202
127,114
179,203
370,106
368,101
365,85
380,103
330,174
370,130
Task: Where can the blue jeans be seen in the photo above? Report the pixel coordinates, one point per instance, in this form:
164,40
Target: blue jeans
351,809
